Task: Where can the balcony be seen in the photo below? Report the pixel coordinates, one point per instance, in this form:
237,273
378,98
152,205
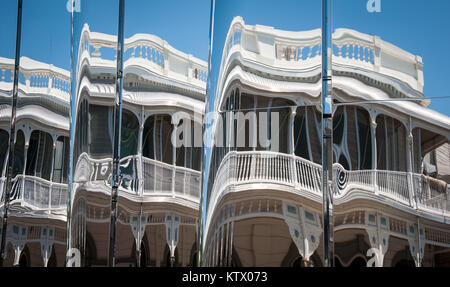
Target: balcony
37,193
303,177
158,180
141,177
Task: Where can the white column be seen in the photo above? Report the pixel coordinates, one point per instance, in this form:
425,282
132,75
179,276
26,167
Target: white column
24,168
174,163
373,129
409,168
140,147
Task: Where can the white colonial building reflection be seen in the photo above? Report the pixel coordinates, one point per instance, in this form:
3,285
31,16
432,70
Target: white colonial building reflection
160,189
160,184
264,206
36,234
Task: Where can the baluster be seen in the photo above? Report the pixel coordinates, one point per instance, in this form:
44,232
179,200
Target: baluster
240,160
304,176
309,53
282,171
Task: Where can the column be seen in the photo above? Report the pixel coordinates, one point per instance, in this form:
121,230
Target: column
174,162
373,130
25,154
141,164
409,168
51,176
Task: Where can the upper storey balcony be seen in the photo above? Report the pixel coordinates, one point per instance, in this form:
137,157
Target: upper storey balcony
377,147
152,169
292,59
148,60
163,89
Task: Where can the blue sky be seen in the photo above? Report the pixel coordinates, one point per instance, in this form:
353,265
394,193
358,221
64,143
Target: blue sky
412,25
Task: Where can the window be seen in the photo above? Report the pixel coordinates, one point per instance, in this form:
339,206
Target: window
39,156
4,144
157,142
61,160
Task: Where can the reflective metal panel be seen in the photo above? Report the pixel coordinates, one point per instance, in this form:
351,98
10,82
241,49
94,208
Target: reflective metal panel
7,64
262,163
94,65
391,129
163,97
35,234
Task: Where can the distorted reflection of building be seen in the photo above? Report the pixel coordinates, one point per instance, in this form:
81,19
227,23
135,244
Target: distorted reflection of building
159,196
36,230
264,205
163,90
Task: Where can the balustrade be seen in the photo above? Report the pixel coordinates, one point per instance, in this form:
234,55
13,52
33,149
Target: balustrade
38,192
158,177
37,77
153,52
350,49
301,174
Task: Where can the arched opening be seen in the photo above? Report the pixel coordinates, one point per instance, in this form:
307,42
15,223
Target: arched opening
358,262
129,134
391,144
4,144
61,160
24,259
156,141
403,258
352,138
52,261
19,148
188,153
90,255
143,257
169,262
39,156
194,255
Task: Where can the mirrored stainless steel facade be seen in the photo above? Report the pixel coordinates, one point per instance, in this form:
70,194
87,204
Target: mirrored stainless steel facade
130,149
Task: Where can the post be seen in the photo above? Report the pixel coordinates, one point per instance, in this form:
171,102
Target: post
12,135
327,136
117,133
202,208
373,129
409,167
292,145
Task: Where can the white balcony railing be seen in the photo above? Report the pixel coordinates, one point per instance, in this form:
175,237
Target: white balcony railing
146,51
157,178
350,48
37,192
167,179
37,78
276,168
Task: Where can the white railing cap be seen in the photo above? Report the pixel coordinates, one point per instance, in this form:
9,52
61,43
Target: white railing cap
30,65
